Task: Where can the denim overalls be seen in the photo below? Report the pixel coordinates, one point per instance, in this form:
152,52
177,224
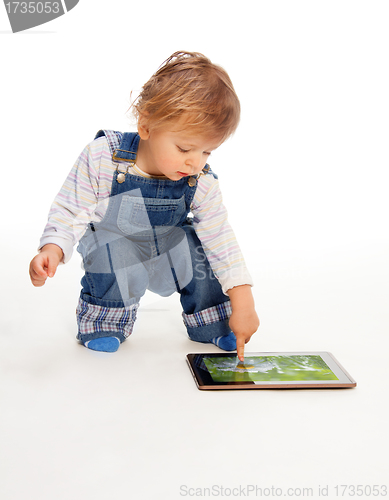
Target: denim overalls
146,241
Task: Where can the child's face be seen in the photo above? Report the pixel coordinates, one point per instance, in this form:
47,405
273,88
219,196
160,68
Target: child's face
173,153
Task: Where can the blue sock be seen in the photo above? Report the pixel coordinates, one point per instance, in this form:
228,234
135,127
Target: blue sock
105,344
226,342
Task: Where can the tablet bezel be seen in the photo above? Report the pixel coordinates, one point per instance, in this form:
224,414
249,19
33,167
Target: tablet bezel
204,380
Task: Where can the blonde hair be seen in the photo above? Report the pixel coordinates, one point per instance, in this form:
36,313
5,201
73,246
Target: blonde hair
190,90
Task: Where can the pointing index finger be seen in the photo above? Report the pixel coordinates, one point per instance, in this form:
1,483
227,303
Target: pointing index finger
240,348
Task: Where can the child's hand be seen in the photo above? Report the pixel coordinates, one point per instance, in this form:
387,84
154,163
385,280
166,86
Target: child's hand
243,321
45,264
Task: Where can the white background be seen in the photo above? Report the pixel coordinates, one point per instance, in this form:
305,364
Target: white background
306,185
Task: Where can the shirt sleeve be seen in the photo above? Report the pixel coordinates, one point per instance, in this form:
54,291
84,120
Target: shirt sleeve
76,201
216,235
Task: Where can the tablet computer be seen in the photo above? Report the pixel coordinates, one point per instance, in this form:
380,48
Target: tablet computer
269,370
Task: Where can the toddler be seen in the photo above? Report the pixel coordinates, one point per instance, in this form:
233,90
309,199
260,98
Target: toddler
147,213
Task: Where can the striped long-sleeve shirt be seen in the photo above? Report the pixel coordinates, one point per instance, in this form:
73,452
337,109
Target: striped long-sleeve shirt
84,198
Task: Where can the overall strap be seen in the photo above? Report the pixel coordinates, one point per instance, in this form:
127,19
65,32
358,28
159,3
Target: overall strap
207,170
128,148
113,138
123,146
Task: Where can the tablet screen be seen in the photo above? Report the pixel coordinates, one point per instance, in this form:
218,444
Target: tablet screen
278,368
268,369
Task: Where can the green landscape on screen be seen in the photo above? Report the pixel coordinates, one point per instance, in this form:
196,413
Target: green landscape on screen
277,368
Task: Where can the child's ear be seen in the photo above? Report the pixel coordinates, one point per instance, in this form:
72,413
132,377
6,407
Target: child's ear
143,128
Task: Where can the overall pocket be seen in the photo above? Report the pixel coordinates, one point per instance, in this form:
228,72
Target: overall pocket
137,214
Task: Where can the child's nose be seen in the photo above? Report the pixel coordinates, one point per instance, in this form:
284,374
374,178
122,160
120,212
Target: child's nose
195,161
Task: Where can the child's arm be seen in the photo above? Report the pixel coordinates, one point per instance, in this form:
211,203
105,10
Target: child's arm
45,264
244,321
77,199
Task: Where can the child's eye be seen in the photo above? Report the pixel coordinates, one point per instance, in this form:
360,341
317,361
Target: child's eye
207,153
182,150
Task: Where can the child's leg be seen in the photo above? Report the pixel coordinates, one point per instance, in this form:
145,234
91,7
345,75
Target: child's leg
109,299
103,328
206,309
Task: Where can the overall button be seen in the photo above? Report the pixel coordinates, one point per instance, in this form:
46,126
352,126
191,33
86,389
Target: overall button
192,181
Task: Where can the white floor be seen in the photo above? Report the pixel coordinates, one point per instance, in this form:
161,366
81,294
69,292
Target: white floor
77,424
